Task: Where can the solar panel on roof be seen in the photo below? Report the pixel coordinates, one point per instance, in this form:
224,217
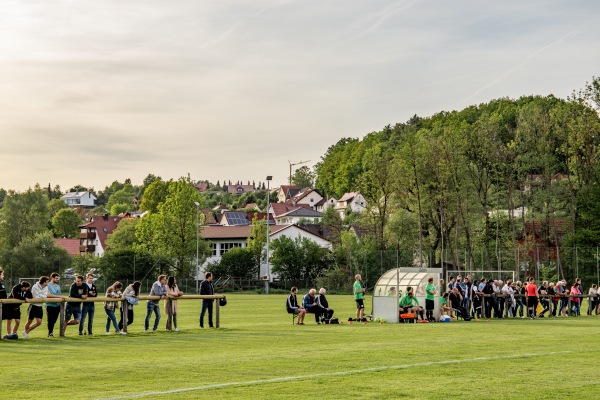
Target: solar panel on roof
237,218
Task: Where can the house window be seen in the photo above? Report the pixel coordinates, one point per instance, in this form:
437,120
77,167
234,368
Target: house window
225,247
213,246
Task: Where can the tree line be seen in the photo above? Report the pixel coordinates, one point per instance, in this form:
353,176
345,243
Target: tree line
479,188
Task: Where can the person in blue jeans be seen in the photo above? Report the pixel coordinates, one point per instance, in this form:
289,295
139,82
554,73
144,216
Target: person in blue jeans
113,292
87,309
159,288
207,304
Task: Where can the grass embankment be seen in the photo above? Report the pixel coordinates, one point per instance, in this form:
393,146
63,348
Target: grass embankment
257,345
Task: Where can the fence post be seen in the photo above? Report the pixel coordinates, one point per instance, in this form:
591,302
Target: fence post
124,311
61,319
1,306
483,315
569,306
218,314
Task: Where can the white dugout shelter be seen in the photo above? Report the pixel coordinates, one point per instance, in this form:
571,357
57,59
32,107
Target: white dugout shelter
385,301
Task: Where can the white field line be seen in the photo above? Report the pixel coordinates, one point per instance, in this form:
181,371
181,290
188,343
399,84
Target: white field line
328,374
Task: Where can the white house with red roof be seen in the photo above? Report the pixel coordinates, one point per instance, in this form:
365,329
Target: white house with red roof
92,236
224,238
353,201
286,192
306,196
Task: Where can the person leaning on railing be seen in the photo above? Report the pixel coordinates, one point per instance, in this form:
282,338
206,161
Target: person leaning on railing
131,295
593,300
21,291
576,301
113,292
35,310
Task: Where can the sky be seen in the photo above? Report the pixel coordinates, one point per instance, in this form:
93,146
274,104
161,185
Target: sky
97,91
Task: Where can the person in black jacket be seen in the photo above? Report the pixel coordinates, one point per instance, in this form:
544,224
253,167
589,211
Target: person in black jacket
87,310
20,291
207,304
292,306
322,303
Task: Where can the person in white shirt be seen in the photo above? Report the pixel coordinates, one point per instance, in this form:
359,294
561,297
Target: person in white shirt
35,310
509,292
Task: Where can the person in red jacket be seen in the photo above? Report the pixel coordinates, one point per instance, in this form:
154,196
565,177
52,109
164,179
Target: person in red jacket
531,292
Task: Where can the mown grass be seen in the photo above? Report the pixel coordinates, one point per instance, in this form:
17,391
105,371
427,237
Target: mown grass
541,359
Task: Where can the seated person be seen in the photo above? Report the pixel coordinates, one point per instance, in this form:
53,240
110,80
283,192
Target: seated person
324,305
444,309
310,304
409,303
455,300
392,292
293,308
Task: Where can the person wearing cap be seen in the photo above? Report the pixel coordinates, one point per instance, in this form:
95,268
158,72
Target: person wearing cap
88,308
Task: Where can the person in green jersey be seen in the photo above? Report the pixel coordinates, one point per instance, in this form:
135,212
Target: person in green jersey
430,292
359,294
409,303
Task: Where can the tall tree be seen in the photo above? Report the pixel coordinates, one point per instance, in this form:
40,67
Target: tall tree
172,232
23,215
303,177
66,223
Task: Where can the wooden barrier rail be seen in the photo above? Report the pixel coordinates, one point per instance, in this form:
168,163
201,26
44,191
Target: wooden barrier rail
124,304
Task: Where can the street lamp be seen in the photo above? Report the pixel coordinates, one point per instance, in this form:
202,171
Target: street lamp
197,240
269,178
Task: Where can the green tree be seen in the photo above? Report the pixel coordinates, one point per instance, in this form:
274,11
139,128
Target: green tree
123,200
23,215
66,223
154,195
238,262
124,236
38,255
378,184
171,233
303,177
56,205
257,241
297,258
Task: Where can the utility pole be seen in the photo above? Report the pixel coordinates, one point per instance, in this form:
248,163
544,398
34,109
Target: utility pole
291,165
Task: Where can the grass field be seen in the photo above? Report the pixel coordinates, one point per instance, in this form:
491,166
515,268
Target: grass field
258,353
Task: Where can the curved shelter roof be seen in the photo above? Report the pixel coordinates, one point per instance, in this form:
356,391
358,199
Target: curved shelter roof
392,285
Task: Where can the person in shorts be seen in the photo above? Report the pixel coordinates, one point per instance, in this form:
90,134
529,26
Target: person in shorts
78,290
36,311
430,293
531,291
21,291
359,294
